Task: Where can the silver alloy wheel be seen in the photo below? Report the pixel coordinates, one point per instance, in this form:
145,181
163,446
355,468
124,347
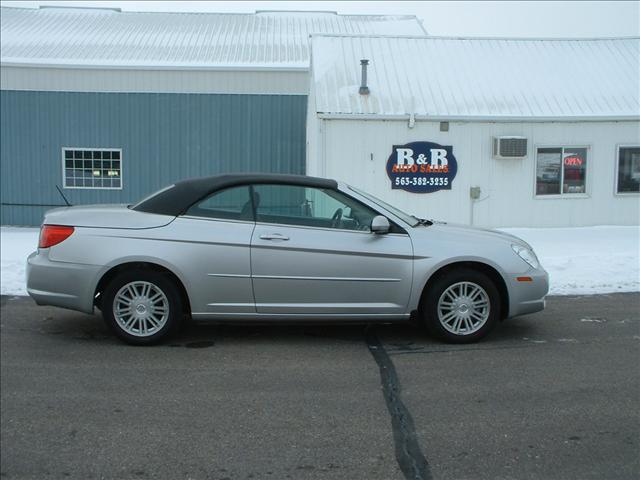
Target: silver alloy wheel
140,308
463,308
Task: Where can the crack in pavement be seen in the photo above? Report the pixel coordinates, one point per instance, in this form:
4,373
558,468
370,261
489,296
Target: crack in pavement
410,458
425,350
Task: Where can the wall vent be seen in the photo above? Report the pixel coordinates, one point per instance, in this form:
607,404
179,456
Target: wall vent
509,147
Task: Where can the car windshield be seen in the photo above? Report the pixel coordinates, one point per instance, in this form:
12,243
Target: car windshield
405,217
133,207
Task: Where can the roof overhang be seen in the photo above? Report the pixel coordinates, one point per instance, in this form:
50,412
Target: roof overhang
479,118
47,63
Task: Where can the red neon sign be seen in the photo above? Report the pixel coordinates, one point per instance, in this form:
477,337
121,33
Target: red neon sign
573,161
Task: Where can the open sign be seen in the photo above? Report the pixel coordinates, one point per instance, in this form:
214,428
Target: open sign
573,161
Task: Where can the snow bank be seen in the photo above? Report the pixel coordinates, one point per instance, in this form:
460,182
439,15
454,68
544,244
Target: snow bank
587,260
16,244
582,260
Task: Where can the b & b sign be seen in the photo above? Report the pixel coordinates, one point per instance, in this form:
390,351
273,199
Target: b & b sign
422,167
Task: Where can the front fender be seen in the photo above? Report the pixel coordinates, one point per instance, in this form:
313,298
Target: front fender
425,268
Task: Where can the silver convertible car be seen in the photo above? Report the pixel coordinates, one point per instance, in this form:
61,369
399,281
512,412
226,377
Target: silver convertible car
278,248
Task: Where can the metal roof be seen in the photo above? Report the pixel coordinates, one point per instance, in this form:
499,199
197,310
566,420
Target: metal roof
91,37
477,77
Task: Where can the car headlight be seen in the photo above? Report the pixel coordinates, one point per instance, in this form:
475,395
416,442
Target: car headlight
527,255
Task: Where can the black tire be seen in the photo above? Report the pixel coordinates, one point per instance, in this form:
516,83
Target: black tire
160,283
453,278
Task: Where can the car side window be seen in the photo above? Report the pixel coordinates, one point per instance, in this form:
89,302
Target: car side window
230,204
312,207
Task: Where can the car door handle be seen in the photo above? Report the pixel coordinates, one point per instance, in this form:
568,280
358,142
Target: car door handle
274,236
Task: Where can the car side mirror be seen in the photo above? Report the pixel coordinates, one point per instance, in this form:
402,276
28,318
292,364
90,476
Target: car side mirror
380,225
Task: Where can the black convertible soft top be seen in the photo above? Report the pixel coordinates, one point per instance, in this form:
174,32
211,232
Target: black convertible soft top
176,200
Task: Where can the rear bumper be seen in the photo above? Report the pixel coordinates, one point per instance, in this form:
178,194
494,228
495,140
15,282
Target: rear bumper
61,284
528,297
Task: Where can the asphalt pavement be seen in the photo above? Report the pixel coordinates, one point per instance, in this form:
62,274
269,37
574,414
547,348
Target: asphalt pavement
554,395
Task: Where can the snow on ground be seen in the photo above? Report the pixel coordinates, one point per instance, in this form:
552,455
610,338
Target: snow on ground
587,260
580,260
16,243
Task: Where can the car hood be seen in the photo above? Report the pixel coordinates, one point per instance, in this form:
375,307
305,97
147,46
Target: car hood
105,216
469,231
464,236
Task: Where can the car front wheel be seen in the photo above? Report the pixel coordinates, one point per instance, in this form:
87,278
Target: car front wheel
142,307
462,306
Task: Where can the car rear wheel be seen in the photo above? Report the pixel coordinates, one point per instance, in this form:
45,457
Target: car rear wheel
462,306
142,307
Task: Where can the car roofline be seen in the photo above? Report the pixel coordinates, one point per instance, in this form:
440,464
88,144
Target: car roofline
176,200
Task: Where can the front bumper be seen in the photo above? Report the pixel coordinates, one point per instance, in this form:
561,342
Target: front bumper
61,284
527,297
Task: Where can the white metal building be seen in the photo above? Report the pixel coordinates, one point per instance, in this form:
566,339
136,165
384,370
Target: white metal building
564,114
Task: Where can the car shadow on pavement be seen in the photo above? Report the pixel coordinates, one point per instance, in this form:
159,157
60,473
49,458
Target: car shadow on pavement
74,326
395,337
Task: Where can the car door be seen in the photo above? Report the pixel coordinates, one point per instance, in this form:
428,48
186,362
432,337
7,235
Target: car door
212,246
312,253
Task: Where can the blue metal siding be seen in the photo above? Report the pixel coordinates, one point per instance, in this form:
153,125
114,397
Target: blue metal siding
164,137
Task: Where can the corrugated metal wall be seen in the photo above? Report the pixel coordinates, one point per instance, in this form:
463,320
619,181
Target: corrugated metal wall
164,137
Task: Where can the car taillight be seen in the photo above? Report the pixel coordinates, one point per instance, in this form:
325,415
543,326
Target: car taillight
51,235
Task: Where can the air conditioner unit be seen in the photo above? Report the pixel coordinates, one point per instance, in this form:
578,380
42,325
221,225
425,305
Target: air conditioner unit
509,147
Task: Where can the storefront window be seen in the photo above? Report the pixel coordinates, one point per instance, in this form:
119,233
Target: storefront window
628,170
548,171
561,171
575,170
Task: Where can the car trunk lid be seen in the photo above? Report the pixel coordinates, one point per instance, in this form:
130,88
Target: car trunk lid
105,216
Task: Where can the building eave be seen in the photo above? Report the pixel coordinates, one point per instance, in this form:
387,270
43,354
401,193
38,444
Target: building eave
152,66
480,118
